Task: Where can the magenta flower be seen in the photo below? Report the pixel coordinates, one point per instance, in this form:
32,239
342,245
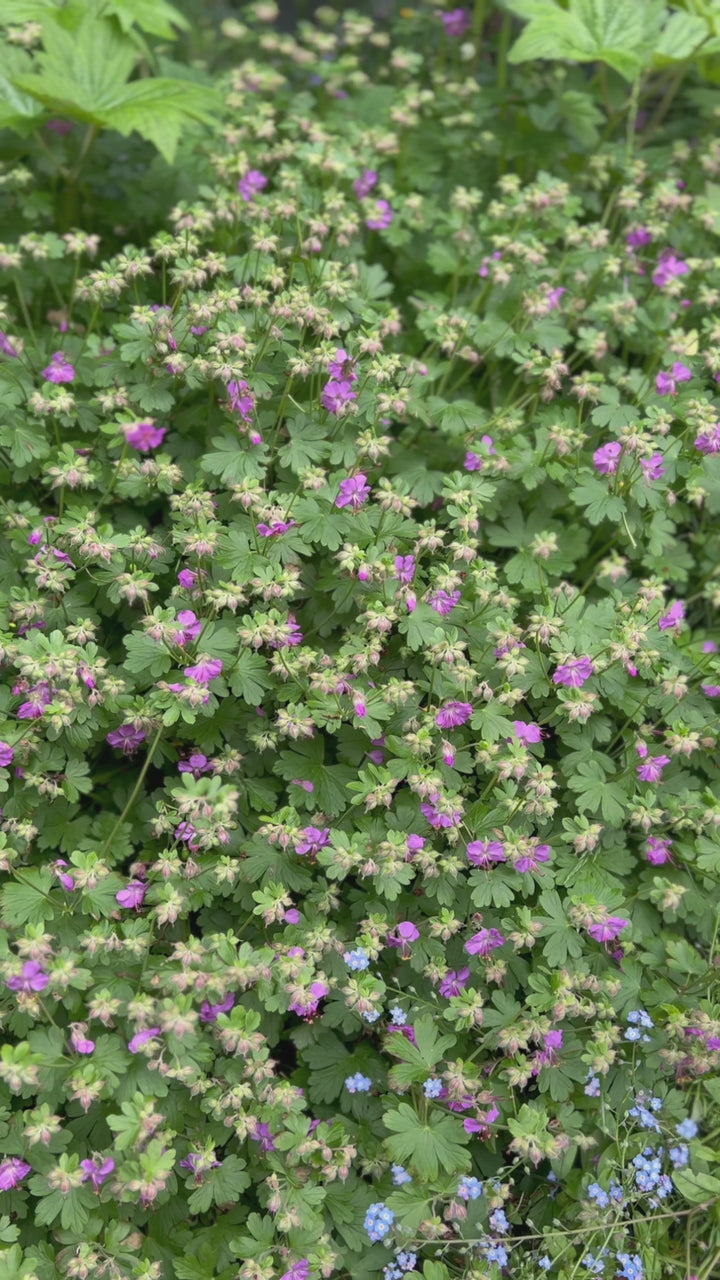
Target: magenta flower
363,185
607,930
263,1135
144,436
484,942
382,218
132,896
298,1271
141,1038
79,1041
96,1171
7,754
211,1012
405,569
639,238
40,697
437,819
277,527
337,393
443,602
59,369
313,841
531,861
709,441
657,850
474,461
414,844
666,382
251,183
711,690
653,468
32,978
191,627
651,770
456,22
486,854
527,731
453,714
241,400
308,1010
127,737
187,579
66,880
673,619
12,1172
669,266
204,670
607,458
343,367
354,492
293,636
405,933
454,982
197,764
574,673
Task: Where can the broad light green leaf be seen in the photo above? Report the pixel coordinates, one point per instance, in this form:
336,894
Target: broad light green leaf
161,110
156,16
681,37
429,1145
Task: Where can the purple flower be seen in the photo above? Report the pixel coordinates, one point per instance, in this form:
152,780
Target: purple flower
59,369
437,819
405,568
607,930
363,185
96,1172
443,602
144,436
204,670
210,1012
127,737
313,840
343,367
337,393
187,579
141,1038
32,978
241,400
486,853
607,458
12,1172
405,933
251,183
298,1271
6,345
553,298
132,896
673,619
196,765
7,754
657,850
574,673
191,627
40,698
263,1135
666,382
456,22
453,714
669,266
482,943
639,238
454,982
527,732
653,468
709,441
531,861
711,690
382,218
651,770
66,880
354,492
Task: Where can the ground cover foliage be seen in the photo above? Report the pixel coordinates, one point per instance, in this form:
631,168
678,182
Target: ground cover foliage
360,468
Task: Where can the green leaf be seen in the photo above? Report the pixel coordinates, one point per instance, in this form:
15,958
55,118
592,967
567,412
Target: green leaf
26,900
597,793
25,441
161,110
146,656
156,16
598,504
420,627
697,1187
250,677
429,1145
681,37
82,73
221,1186
327,1060
612,31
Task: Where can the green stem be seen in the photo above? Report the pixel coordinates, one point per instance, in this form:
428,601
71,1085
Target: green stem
134,793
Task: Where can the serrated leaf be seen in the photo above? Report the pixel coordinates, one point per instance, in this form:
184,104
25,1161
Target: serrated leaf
429,1145
161,109
26,900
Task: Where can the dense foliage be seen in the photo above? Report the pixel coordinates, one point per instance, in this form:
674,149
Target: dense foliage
361,818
